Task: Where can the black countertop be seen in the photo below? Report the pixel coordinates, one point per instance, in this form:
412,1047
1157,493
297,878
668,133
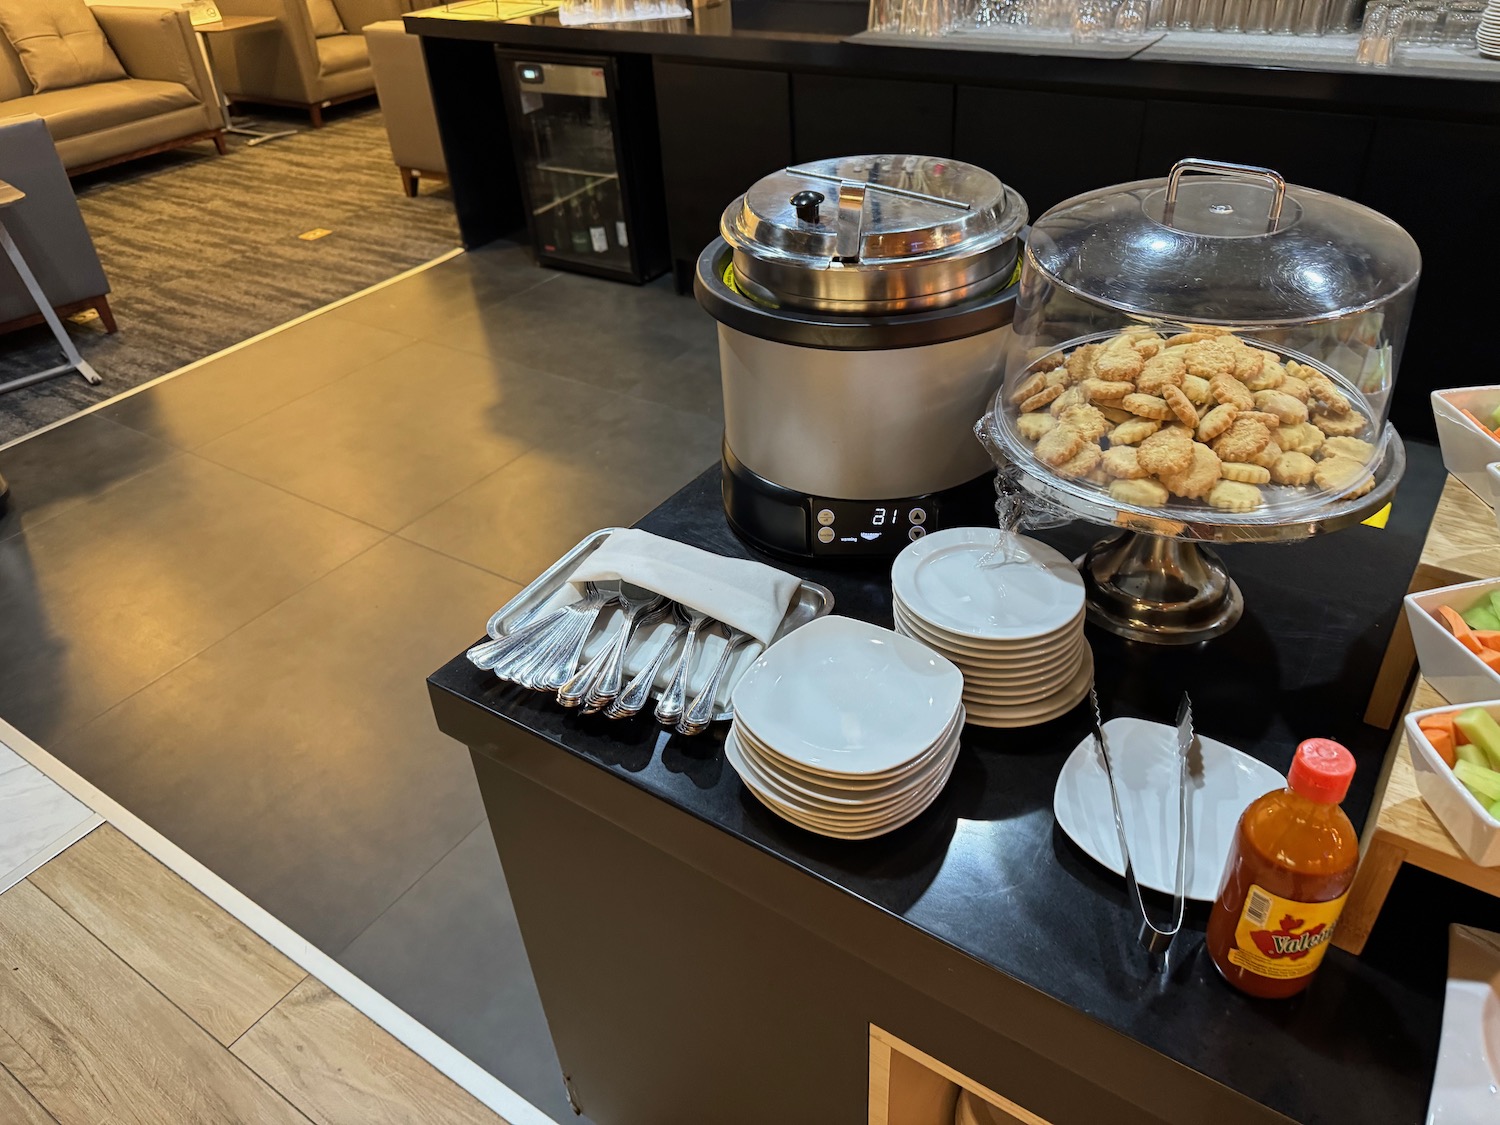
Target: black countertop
987,871
813,35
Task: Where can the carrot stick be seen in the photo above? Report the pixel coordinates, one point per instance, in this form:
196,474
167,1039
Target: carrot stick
1442,742
1459,628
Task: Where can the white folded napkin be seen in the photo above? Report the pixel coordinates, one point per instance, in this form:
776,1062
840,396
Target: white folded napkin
750,596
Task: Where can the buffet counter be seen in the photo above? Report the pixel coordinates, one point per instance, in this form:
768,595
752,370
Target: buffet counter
700,959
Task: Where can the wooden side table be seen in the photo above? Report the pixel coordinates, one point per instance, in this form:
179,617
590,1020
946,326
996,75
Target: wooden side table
223,25
1402,829
1463,545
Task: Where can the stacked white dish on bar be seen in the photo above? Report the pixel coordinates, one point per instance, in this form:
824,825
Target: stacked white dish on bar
1013,628
1488,32
846,729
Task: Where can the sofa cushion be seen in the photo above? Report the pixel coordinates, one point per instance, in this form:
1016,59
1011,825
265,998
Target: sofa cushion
325,18
88,109
14,81
59,43
341,53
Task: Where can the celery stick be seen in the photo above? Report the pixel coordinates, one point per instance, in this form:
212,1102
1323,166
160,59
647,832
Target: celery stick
1483,783
1495,419
1495,602
1494,810
1471,754
1481,616
1480,729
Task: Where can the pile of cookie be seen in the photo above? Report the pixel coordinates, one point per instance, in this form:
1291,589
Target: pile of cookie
1201,416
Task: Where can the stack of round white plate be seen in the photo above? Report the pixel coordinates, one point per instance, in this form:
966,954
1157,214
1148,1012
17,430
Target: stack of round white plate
1014,628
846,729
1488,33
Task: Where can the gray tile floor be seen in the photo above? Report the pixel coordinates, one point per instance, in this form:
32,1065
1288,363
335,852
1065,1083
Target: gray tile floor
219,598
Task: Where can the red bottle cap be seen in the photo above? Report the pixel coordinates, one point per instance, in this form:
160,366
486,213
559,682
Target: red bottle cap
1321,771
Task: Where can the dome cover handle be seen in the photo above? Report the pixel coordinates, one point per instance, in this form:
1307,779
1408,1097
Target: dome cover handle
1224,168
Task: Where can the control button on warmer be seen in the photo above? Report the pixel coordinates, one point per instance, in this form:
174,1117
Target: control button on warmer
916,533
825,517
917,515
825,535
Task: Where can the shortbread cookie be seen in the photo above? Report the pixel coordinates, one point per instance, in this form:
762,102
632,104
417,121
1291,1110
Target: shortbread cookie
1031,385
1287,409
1194,482
1242,441
1270,421
1245,474
1181,405
1234,496
1082,462
1058,445
1086,420
1210,358
1216,422
1301,438
1144,493
1134,431
1117,415
1104,390
1352,447
1040,399
1042,360
1122,462
1249,363
1071,396
1167,451
1080,364
1118,360
1271,376
1147,406
1097,475
1164,370
1267,456
1339,425
1034,427
1343,475
1229,391
1330,399
1293,468
1295,387
1196,389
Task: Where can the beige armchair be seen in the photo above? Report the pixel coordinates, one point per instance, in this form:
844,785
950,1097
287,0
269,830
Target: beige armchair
314,56
164,99
406,102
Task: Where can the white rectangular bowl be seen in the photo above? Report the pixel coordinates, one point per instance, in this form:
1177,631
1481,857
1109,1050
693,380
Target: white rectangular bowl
1467,450
1494,475
1454,672
1475,830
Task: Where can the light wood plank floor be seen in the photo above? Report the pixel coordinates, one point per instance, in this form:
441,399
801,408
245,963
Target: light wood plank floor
126,995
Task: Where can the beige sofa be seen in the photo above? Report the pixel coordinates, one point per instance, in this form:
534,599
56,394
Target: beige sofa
313,57
165,99
406,102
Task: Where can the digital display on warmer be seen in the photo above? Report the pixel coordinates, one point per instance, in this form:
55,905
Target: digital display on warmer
868,527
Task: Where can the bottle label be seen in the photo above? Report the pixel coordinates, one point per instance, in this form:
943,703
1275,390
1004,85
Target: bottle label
1282,939
596,235
621,235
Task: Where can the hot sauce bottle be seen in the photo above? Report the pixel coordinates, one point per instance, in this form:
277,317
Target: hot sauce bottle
1289,871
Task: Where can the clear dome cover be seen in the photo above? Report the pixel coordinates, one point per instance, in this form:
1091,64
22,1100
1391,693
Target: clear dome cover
1195,330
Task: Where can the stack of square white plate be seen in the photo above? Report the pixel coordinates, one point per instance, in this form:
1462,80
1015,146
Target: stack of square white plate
1013,628
1488,32
846,729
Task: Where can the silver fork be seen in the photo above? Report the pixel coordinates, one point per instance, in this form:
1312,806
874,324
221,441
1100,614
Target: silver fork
674,699
637,693
604,689
701,713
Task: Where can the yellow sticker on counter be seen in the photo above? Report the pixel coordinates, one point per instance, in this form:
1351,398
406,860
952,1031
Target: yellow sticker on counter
314,235
1379,518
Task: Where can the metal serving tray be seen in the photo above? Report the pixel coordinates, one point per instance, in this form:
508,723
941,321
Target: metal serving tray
550,590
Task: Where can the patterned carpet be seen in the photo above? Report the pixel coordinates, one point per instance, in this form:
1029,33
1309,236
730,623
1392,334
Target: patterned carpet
202,252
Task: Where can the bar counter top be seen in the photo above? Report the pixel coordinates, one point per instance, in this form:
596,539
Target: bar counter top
816,34
987,872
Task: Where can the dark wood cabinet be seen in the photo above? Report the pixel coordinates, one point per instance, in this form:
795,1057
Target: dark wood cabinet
1320,150
834,115
722,128
1048,146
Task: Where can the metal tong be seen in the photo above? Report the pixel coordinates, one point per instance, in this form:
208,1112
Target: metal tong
1154,939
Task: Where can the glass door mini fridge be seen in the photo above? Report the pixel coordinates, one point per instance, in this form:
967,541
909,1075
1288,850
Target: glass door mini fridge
584,131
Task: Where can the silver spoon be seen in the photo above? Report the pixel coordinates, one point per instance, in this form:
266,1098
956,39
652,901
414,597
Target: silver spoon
637,693
604,689
701,713
674,700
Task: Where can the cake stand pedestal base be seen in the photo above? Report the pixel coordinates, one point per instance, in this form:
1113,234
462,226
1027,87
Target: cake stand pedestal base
1162,591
